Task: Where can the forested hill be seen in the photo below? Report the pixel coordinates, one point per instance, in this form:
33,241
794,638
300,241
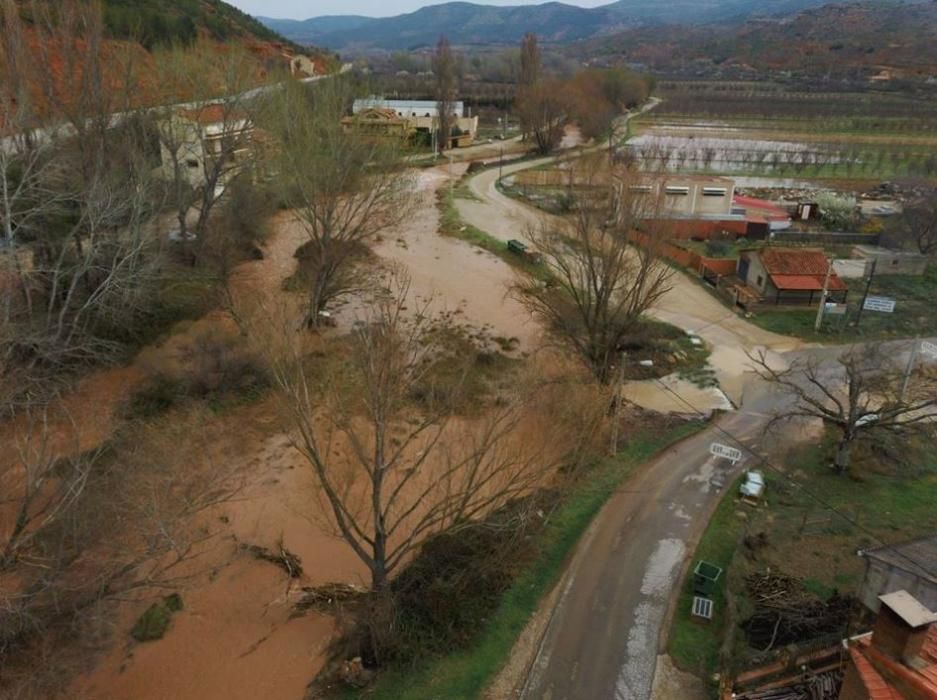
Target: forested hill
898,40
155,22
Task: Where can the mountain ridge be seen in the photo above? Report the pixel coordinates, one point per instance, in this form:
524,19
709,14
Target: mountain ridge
467,23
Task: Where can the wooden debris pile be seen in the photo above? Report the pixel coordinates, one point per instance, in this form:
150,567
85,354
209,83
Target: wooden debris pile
324,598
280,556
823,686
787,613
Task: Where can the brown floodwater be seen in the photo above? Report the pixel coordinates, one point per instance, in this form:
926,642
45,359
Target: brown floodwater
234,638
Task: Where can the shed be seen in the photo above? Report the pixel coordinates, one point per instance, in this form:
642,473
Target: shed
891,262
908,566
790,275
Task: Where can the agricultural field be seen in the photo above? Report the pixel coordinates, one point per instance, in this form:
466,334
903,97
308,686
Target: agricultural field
763,129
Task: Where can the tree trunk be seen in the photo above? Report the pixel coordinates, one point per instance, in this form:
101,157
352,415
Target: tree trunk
841,461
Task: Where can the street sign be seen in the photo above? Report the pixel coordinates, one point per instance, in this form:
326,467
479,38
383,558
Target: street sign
834,309
883,304
929,349
730,453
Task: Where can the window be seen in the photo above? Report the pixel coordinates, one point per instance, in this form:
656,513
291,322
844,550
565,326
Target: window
760,280
677,191
192,163
714,191
640,189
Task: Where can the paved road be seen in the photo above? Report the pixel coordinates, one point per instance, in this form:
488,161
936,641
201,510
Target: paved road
687,305
603,638
602,641
605,634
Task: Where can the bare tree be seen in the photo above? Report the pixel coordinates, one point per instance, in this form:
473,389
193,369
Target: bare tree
39,487
916,226
345,185
601,285
530,61
543,110
81,527
412,466
859,394
205,142
76,193
444,70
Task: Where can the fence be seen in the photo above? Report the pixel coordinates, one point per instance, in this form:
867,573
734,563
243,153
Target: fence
709,268
826,237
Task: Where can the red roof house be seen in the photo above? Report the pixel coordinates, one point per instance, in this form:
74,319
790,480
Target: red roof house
790,275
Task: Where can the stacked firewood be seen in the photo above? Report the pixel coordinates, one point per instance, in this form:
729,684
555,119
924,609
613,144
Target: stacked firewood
787,613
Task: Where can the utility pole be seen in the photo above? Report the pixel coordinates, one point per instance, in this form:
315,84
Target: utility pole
616,413
907,373
865,294
826,286
500,163
450,175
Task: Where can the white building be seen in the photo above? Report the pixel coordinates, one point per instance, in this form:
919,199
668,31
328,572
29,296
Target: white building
201,136
407,108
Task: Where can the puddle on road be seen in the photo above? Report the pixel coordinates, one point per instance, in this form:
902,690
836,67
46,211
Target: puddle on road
671,394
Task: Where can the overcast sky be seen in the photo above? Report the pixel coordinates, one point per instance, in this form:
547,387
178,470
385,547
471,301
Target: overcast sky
304,9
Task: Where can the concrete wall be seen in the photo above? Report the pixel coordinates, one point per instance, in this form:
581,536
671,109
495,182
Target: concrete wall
757,276
890,262
849,268
882,578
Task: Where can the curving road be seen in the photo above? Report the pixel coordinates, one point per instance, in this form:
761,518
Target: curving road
604,634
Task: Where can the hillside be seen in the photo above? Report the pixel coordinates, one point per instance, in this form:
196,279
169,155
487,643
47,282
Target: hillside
852,39
154,22
472,24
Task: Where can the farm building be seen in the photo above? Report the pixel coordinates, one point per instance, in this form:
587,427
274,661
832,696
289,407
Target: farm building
891,262
378,120
762,211
423,116
909,566
687,196
790,275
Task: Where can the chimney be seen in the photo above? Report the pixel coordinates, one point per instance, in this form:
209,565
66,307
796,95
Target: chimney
902,627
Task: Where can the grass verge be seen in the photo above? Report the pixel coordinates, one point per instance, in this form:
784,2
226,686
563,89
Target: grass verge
694,646
466,674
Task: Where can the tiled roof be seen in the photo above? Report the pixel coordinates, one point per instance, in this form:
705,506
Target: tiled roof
922,677
929,655
876,686
794,261
807,283
211,114
798,269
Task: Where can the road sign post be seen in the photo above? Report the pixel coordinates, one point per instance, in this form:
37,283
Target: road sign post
885,305
732,454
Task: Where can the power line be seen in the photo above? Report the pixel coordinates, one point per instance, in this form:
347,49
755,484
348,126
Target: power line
764,460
